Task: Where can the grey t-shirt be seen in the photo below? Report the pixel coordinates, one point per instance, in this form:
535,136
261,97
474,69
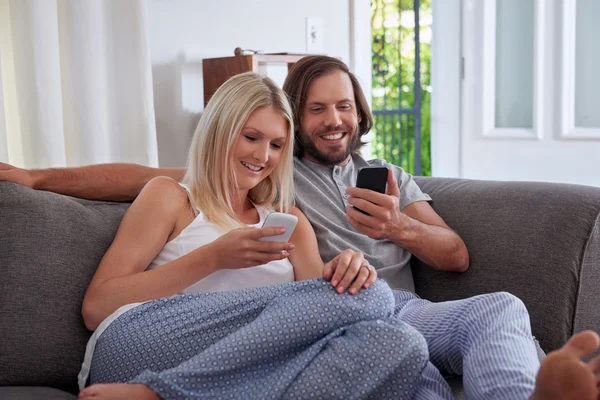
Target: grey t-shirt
321,195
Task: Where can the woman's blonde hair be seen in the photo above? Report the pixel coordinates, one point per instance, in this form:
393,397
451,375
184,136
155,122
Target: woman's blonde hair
210,175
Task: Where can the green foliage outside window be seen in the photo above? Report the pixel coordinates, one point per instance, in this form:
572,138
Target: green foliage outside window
393,43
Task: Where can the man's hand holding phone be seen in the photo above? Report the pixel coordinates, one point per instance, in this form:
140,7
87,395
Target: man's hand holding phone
384,217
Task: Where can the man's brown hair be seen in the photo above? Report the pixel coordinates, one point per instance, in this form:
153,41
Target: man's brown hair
299,78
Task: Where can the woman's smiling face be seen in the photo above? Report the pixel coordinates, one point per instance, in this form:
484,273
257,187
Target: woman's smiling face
259,147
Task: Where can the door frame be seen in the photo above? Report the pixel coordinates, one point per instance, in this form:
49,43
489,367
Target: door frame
447,74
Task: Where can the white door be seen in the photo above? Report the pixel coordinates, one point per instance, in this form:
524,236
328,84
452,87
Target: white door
530,106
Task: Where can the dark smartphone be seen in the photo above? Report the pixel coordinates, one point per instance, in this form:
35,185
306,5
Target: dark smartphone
372,178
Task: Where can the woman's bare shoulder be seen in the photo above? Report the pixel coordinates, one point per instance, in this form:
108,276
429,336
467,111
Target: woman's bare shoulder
165,193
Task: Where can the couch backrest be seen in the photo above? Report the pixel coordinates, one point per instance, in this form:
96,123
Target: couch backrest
50,246
538,241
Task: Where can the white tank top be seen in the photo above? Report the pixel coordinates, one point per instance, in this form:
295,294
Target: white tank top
201,232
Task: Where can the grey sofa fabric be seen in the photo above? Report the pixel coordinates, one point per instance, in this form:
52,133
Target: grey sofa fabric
34,393
537,241
587,307
50,246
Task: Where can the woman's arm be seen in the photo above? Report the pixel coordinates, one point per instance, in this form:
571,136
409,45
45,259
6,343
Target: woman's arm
305,257
146,228
121,277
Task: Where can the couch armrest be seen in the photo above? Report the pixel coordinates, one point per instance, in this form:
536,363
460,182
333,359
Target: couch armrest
538,241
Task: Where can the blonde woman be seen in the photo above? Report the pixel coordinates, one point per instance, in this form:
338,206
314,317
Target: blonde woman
188,302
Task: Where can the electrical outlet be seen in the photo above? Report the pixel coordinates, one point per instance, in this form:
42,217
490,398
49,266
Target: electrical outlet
314,35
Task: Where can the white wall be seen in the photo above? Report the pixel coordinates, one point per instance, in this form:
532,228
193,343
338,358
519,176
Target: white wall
182,32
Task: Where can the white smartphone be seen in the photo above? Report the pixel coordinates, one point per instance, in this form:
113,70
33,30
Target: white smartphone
287,221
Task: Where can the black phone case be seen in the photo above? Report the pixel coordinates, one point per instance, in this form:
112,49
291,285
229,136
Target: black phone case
372,178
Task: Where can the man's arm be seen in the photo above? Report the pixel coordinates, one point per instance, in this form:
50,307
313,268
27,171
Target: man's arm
417,228
427,236
98,182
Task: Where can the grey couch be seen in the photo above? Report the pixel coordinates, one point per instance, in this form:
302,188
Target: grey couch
540,242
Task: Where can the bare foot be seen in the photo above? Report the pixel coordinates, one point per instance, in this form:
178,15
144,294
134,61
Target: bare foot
117,391
564,376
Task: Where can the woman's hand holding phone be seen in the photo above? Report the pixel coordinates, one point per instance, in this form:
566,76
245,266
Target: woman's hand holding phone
244,247
282,220
249,247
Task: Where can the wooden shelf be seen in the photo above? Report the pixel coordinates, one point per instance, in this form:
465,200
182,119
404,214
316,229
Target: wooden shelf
216,71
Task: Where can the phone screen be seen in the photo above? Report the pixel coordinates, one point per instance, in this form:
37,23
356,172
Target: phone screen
372,178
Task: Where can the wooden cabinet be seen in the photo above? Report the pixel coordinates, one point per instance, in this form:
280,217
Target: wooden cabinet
215,71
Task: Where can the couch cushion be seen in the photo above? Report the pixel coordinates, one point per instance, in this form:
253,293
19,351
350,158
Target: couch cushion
50,246
33,393
538,241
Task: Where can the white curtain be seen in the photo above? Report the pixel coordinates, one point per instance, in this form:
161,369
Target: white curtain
75,83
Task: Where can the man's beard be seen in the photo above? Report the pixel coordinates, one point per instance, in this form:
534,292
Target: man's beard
332,158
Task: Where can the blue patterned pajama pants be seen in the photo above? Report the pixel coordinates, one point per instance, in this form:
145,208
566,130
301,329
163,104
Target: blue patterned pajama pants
298,340
302,340
486,339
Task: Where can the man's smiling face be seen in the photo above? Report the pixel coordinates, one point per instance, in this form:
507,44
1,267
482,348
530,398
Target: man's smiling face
329,122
